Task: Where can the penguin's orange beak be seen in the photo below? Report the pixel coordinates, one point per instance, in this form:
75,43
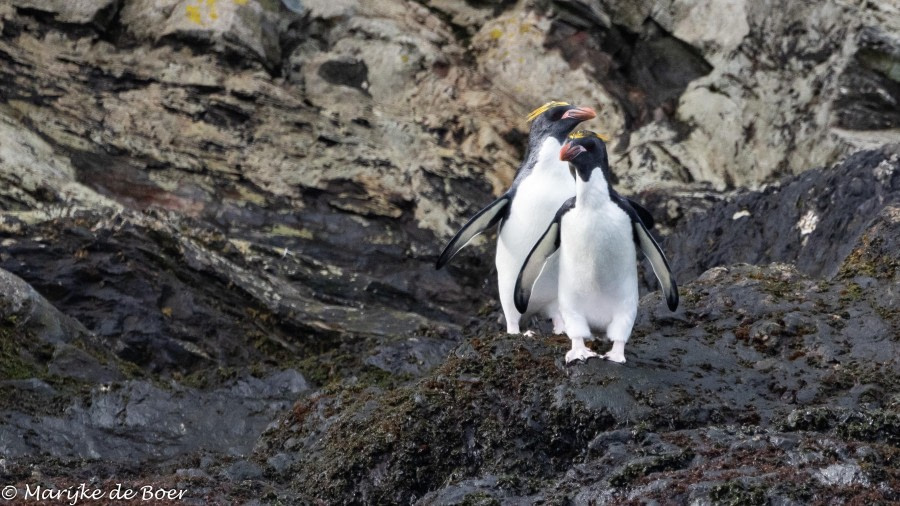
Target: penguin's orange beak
570,151
580,113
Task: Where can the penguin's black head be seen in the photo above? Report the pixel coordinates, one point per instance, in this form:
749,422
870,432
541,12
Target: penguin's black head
557,119
585,151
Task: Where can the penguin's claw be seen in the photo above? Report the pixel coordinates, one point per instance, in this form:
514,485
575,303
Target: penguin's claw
579,354
529,333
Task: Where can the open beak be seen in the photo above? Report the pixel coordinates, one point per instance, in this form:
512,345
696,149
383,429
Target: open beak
570,151
580,113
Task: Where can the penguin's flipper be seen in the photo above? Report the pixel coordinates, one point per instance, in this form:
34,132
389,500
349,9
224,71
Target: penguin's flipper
644,214
658,260
652,251
486,218
534,263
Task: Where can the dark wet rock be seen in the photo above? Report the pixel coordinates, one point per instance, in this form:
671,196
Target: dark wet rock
412,357
500,402
71,362
168,421
24,310
170,302
812,220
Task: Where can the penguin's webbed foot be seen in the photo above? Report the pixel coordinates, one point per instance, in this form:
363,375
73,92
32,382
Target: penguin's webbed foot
617,353
614,357
579,354
529,333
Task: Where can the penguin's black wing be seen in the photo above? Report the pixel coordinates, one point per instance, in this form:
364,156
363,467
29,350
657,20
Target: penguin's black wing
651,250
486,218
534,263
644,214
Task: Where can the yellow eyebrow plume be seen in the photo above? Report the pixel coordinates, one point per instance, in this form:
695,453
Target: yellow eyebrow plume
540,110
581,134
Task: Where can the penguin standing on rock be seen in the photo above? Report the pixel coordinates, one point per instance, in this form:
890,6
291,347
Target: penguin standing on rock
541,185
596,233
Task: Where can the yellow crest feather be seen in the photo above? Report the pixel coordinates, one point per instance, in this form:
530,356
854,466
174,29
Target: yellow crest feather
581,134
542,109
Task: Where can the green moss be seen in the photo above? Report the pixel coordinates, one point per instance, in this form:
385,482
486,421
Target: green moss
331,367
735,493
13,355
439,429
878,425
852,293
635,470
871,260
777,288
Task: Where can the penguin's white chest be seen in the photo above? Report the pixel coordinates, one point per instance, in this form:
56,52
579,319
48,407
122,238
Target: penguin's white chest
537,199
598,264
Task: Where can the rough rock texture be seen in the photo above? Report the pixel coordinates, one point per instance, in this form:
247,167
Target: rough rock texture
760,359
212,209
811,221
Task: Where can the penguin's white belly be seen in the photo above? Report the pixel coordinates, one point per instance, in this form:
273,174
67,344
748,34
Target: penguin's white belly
598,266
536,202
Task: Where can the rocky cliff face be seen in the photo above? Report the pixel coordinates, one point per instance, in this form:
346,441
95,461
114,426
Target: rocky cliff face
219,217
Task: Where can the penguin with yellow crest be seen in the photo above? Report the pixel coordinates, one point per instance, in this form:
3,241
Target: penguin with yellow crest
592,242
542,183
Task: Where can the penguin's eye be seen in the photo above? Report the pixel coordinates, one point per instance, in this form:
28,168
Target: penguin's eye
557,115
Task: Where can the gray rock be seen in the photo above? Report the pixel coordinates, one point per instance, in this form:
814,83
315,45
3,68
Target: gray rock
844,475
243,470
69,361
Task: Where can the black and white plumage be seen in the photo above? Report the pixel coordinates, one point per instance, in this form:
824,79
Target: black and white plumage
594,236
541,184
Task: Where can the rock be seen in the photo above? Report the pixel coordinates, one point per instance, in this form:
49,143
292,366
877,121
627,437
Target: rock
25,310
248,28
169,423
508,401
792,115
813,220
844,475
71,362
36,175
74,11
243,470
